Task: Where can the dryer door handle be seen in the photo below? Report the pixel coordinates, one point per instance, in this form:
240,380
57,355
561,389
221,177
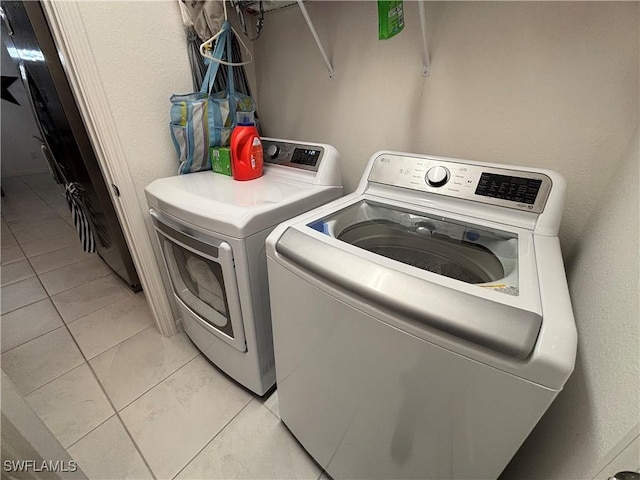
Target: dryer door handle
499,327
198,242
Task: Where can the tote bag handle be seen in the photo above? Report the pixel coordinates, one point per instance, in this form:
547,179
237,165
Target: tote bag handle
224,40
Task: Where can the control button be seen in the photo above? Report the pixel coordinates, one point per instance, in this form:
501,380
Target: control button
437,176
273,151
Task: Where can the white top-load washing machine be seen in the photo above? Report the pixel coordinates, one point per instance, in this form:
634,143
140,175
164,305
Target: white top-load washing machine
212,232
422,325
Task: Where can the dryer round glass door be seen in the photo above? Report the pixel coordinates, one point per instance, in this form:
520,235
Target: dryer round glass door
204,282
200,284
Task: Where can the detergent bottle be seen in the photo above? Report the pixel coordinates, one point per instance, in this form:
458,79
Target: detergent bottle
246,149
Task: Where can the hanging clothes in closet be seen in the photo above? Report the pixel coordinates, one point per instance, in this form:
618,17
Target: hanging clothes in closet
202,20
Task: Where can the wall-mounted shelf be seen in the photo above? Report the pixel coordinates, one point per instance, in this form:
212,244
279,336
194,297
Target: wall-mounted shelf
254,8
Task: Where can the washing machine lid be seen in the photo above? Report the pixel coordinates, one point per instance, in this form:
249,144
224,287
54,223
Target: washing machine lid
482,279
218,204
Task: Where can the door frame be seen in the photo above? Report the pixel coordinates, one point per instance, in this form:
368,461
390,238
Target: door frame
68,31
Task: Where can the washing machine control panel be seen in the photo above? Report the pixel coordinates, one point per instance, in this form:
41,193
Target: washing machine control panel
504,187
294,155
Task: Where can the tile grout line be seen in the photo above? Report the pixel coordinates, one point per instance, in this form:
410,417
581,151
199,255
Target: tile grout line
104,392
115,410
28,259
31,303
74,235
24,232
19,280
86,362
13,261
53,216
69,323
53,211
28,304
50,297
59,314
124,425
213,438
36,275
59,191
71,333
25,395
58,268
100,310
89,432
109,272
35,338
160,381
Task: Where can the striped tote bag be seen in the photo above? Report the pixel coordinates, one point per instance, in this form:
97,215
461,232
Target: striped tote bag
205,119
73,193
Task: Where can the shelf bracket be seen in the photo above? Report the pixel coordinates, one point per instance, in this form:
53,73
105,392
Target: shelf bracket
426,62
307,18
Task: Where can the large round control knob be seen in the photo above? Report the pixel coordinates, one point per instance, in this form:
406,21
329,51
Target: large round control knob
437,176
273,151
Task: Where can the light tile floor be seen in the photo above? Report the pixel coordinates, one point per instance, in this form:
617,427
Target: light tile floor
126,402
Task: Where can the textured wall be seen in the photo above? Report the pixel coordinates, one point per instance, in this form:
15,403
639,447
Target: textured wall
551,85
601,401
139,49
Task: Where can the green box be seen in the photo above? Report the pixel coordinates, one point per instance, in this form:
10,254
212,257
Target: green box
220,160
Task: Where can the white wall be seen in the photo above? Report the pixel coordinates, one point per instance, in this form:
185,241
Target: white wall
140,52
551,85
21,152
601,401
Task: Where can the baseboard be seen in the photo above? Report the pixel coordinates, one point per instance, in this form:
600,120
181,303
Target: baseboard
625,456
179,325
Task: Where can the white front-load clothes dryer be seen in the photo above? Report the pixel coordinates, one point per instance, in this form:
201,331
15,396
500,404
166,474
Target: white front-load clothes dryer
212,232
422,325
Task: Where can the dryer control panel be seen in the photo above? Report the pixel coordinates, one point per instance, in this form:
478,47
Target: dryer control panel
518,189
305,157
